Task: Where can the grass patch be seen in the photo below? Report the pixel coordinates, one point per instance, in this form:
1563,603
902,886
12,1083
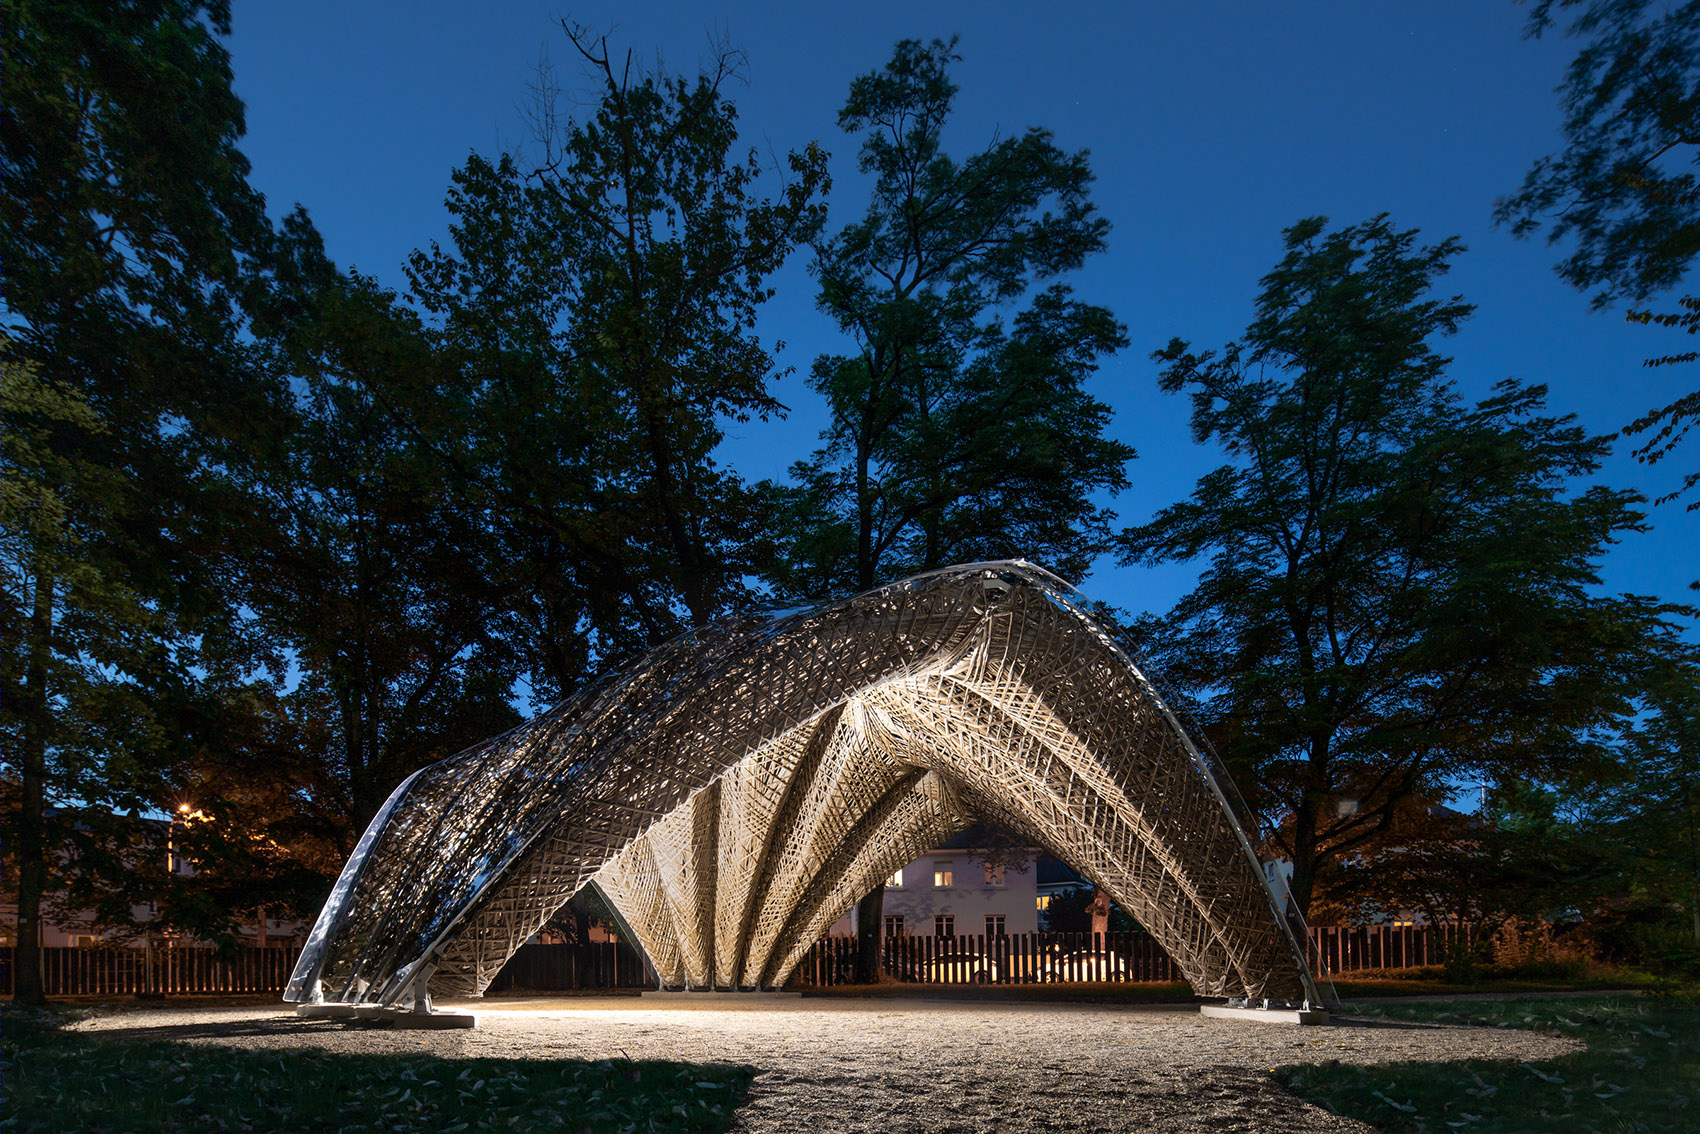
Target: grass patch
62,1081
1434,980
1641,1071
1395,982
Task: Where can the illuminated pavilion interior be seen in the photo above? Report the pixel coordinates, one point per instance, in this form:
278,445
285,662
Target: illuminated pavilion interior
735,791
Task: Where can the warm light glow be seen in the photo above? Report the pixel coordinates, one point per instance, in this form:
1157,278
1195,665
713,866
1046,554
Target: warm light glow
942,878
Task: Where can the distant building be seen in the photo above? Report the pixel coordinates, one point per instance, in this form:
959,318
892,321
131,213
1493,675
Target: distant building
977,883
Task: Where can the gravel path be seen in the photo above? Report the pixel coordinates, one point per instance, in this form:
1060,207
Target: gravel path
831,1066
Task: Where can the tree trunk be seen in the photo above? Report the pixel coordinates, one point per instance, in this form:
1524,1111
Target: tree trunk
31,835
864,520
870,920
1303,883
693,578
1693,866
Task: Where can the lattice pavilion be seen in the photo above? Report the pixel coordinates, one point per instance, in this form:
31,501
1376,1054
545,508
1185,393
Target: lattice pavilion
735,791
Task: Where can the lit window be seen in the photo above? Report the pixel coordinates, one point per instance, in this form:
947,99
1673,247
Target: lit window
943,878
944,925
896,878
994,875
1044,901
994,925
894,925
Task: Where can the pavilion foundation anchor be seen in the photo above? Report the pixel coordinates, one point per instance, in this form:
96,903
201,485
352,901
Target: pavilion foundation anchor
1266,1011
419,1014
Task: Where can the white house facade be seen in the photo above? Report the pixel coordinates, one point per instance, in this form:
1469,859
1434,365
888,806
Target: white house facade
960,889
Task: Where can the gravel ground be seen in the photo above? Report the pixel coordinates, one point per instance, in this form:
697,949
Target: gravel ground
831,1066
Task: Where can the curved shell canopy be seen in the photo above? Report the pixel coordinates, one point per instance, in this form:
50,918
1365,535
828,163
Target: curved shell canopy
735,791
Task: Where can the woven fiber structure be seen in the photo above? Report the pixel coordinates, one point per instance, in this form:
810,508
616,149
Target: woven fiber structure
738,789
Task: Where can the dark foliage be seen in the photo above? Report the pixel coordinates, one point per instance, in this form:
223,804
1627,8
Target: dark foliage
1400,586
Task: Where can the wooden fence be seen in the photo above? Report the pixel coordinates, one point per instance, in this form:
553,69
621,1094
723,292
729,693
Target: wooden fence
188,970
1356,948
1040,958
1016,958
161,970
1019,958
548,968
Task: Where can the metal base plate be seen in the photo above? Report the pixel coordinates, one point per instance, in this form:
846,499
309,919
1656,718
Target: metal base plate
396,1017
1266,1015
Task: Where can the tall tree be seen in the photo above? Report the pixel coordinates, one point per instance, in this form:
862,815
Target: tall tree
1624,186
125,221
599,310
376,580
953,435
1649,815
1399,586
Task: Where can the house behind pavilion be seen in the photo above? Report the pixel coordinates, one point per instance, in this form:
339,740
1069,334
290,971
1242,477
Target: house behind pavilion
980,882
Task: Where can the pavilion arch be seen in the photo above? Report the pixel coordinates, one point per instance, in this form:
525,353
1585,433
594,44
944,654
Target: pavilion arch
735,791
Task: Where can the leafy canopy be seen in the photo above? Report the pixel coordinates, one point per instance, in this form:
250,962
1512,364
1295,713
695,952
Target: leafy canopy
1625,187
595,318
960,426
1399,585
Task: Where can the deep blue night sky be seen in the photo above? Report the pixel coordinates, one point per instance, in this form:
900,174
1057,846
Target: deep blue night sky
1212,125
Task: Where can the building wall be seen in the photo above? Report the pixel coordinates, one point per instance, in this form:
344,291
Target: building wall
920,892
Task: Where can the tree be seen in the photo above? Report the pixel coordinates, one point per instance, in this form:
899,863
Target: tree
1647,818
1619,849
1632,122
596,313
376,580
953,436
1399,584
1669,424
125,225
1446,866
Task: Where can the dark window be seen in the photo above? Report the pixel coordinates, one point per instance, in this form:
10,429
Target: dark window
944,925
994,925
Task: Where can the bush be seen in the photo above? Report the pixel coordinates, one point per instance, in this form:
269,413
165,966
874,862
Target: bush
1658,939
